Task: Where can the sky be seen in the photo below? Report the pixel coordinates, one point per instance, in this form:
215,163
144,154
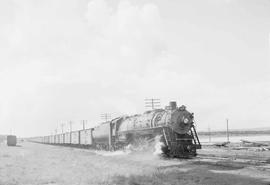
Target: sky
69,60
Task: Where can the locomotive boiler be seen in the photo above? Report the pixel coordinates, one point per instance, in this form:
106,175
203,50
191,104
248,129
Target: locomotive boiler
174,125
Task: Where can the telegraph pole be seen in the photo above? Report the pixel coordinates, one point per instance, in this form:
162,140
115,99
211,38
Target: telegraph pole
70,136
63,137
151,102
84,122
227,121
209,132
105,116
62,127
70,126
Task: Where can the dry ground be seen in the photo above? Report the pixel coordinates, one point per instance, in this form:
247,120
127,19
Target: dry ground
38,164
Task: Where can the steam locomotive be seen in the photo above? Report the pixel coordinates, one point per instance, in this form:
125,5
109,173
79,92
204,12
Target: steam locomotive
174,124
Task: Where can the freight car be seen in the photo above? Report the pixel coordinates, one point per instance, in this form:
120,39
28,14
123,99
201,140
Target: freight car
11,140
174,125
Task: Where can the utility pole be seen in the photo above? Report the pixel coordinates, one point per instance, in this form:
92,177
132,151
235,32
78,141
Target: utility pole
151,102
70,126
228,139
62,127
105,116
209,132
70,136
84,122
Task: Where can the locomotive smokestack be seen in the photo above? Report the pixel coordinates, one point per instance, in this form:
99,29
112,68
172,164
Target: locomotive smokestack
173,105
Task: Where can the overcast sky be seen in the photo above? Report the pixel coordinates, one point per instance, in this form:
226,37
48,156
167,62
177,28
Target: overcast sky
71,60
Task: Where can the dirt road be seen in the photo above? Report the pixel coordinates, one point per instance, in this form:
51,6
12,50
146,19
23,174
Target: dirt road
38,164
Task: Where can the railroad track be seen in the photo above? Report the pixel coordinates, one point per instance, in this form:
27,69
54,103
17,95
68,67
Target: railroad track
232,161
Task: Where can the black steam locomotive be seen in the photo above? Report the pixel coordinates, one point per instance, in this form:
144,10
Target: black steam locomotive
174,124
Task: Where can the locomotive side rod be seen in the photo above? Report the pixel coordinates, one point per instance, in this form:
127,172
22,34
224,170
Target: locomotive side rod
165,137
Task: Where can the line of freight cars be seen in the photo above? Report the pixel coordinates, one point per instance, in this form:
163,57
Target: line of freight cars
79,137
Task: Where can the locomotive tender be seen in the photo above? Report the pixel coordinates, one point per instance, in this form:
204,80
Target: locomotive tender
174,124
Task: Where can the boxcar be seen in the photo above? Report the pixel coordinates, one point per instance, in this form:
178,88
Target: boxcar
39,139
75,137
52,139
61,139
67,138
56,139
11,140
86,137
47,140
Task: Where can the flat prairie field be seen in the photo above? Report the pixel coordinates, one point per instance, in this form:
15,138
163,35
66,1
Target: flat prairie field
39,164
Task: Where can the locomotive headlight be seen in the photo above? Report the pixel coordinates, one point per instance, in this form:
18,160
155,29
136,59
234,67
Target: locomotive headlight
186,120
